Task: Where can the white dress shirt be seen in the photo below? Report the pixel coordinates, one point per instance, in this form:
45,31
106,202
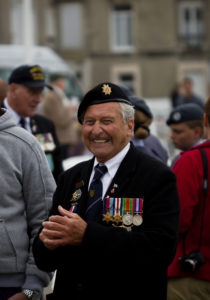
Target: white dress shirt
16,117
112,167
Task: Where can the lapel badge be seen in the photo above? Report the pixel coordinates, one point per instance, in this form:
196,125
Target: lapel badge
106,89
34,128
115,186
76,195
80,184
91,193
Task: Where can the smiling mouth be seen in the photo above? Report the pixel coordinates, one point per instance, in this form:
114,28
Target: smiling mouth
99,141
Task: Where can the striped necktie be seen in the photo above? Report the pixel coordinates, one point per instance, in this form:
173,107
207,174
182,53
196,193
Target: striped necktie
94,203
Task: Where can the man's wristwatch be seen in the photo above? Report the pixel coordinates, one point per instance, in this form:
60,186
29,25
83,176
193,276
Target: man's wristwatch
31,294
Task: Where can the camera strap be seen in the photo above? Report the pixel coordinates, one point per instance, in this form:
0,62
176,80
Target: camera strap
205,187
205,191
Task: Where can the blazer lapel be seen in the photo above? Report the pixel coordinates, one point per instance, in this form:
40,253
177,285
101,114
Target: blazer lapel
81,186
123,175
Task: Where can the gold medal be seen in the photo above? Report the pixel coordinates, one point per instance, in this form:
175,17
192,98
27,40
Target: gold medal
107,217
117,219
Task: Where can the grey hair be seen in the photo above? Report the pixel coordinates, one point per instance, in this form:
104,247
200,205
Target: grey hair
127,112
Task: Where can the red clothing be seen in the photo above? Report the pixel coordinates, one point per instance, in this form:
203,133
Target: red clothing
189,172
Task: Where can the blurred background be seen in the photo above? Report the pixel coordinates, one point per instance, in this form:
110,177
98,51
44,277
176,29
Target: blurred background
147,45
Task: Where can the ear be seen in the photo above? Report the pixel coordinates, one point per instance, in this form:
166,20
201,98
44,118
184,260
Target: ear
205,120
198,131
13,87
130,125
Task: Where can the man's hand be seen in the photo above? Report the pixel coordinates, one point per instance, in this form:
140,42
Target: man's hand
67,229
19,296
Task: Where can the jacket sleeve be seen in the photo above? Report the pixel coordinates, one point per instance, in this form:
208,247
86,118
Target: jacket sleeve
38,189
186,170
48,260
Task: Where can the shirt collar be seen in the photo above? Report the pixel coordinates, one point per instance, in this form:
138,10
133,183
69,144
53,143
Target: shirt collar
15,115
114,163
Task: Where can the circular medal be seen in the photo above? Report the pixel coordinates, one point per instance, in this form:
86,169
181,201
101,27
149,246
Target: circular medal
127,219
137,220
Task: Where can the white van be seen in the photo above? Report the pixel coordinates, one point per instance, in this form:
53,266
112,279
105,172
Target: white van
12,56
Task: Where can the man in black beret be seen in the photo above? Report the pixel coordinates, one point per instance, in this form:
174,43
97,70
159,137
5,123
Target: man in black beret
26,84
186,125
113,226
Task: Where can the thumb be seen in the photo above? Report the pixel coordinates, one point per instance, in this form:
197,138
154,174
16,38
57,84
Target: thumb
63,211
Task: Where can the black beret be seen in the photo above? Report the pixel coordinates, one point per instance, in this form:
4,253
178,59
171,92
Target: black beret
126,90
140,104
185,112
31,76
102,93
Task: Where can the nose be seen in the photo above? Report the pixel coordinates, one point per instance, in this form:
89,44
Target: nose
96,129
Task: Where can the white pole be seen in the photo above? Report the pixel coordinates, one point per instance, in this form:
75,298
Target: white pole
28,30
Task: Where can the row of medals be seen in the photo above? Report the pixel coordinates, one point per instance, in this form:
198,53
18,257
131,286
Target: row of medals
46,141
128,219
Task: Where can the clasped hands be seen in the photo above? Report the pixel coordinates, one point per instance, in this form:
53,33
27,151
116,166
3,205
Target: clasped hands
67,229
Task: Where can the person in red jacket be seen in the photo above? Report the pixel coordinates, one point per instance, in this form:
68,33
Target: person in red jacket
189,272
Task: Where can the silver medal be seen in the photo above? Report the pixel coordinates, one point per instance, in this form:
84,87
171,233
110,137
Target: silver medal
137,220
127,219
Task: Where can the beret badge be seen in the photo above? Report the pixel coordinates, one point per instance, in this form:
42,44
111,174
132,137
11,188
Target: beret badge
176,116
106,89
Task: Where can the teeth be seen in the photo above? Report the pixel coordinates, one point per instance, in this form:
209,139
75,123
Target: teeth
99,141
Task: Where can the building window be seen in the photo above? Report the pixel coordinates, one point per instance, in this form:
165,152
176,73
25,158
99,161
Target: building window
128,75
191,22
121,29
70,23
17,24
127,80
50,28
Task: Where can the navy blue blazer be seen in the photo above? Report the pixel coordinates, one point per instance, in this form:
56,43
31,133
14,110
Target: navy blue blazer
112,262
41,125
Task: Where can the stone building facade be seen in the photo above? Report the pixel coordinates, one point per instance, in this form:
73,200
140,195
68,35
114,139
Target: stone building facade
148,45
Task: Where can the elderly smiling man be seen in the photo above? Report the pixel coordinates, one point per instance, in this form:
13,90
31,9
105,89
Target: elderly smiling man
112,229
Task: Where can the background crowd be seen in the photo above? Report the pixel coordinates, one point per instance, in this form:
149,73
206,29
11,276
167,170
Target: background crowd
54,126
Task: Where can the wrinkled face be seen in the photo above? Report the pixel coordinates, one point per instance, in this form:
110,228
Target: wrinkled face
104,131
184,137
24,100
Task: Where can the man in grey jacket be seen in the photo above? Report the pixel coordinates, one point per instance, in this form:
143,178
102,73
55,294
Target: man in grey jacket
27,186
